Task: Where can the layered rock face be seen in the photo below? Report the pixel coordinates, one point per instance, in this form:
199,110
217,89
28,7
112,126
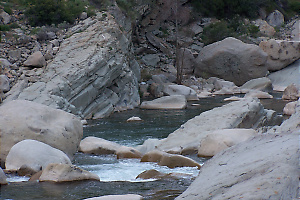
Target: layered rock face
232,60
93,73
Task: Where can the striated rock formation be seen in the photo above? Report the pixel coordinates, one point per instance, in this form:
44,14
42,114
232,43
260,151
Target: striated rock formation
232,60
92,75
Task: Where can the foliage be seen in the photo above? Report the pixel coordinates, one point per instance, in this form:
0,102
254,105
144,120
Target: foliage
127,7
216,32
8,10
4,27
53,11
228,8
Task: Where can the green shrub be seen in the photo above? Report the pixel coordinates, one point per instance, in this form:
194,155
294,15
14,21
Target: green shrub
253,30
216,32
8,10
49,12
4,27
229,8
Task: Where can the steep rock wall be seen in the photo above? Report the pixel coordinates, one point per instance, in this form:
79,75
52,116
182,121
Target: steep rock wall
93,75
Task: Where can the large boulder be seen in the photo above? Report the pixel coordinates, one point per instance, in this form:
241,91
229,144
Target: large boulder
264,167
265,28
219,140
285,77
20,120
64,172
98,146
281,53
36,155
93,74
168,102
246,113
189,93
169,160
232,60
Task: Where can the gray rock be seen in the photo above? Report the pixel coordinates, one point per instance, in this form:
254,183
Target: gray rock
186,61
168,102
64,173
291,92
3,177
14,55
4,83
151,60
83,15
5,17
92,75
290,108
189,93
275,19
20,120
35,60
265,167
34,154
4,63
258,94
247,113
232,60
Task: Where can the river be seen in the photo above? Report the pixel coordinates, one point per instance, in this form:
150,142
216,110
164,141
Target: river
118,176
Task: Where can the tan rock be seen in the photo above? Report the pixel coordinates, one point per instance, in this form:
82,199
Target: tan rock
152,173
219,140
290,108
36,176
64,172
127,152
98,146
169,160
281,53
265,28
263,84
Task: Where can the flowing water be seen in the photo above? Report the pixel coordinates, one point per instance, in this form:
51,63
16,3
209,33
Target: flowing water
118,176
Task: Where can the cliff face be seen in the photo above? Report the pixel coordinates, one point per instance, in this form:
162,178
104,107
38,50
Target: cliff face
93,74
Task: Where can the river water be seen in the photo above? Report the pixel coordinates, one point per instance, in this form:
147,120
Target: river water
119,176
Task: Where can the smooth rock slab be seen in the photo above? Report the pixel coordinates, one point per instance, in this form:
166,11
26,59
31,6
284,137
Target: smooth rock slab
36,155
168,102
20,120
265,167
219,140
64,173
